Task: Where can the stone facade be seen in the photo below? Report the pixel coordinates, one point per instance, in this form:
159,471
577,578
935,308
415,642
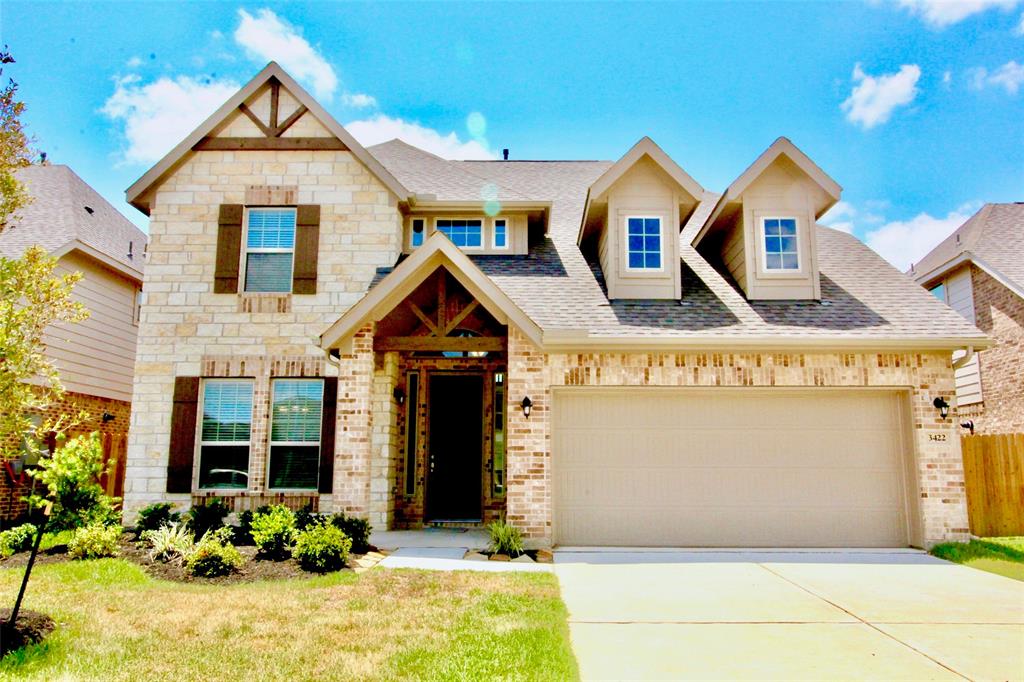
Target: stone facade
999,313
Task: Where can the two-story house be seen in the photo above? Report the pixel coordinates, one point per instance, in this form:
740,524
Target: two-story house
601,352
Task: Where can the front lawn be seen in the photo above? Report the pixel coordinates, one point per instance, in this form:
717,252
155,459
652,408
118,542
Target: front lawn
116,622
1004,556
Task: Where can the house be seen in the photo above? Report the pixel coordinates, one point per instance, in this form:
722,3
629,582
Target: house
979,272
605,353
96,357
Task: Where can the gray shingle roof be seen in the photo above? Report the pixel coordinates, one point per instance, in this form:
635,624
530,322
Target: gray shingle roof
60,214
863,296
995,234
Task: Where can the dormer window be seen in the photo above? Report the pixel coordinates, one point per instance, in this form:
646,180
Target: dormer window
500,234
466,234
643,243
418,232
781,251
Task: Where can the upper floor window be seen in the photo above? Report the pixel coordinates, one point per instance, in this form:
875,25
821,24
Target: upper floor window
643,243
939,292
466,234
269,249
500,233
224,435
418,230
780,244
296,414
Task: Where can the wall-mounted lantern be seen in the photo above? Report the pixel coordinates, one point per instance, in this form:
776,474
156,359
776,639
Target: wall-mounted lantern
942,406
527,405
399,395
969,425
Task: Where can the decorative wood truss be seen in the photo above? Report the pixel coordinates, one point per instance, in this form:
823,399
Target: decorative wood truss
440,315
272,131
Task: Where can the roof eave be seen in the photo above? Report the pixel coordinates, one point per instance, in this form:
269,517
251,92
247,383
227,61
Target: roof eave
112,263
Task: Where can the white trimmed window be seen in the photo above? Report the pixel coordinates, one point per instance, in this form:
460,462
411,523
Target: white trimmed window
500,233
225,433
464,233
781,251
643,243
296,414
269,249
418,232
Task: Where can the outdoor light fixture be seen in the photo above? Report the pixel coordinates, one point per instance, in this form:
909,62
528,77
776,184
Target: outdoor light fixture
399,395
942,406
969,425
107,417
527,405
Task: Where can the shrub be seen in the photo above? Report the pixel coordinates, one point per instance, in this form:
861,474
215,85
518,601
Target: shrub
94,541
71,476
17,539
304,518
173,542
321,548
356,529
214,555
203,518
154,517
505,539
273,531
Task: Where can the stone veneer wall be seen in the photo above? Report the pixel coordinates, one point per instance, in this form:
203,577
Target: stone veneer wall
939,466
998,312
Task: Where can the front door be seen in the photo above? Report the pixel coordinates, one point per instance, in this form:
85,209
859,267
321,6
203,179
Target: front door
455,447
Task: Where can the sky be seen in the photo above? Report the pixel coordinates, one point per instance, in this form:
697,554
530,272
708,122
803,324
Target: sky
915,107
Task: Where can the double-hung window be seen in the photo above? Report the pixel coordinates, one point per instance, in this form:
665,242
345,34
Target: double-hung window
500,233
464,233
269,249
225,432
780,244
296,412
643,243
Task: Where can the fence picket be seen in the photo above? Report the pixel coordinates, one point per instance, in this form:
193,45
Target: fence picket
994,480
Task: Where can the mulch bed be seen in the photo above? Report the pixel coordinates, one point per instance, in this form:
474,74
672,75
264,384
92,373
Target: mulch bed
31,627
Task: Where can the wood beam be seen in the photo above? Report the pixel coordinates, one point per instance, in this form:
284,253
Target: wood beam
234,144
255,119
424,319
275,98
463,314
439,343
442,302
290,121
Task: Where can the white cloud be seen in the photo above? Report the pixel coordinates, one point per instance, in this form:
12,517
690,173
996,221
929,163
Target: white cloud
873,99
1009,76
943,13
840,217
358,100
1020,27
382,128
903,242
134,62
158,115
267,37
947,79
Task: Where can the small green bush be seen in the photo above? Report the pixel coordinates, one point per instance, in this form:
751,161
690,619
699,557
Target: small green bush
505,539
214,555
321,548
17,539
203,518
273,532
304,518
71,476
155,516
94,541
356,529
172,543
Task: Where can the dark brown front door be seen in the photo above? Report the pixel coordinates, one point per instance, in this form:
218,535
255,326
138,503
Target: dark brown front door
455,447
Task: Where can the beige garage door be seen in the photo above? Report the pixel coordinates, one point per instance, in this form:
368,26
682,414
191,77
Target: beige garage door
729,467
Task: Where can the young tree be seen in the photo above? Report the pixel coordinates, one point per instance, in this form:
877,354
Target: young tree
15,151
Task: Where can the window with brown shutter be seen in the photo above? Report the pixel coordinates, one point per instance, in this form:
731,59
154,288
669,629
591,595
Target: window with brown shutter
307,247
229,249
330,412
183,435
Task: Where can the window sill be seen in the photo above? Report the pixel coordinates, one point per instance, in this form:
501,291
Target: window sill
264,303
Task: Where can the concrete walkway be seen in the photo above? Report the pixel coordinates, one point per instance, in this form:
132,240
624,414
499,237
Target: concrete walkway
789,615
442,549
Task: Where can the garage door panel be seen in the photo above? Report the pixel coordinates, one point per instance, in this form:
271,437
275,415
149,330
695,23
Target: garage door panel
655,467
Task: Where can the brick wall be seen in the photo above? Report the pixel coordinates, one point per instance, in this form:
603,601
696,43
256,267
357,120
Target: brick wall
924,376
1000,313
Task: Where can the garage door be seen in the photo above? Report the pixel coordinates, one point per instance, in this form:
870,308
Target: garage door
729,467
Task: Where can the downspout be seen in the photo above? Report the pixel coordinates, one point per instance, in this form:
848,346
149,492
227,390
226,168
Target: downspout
957,364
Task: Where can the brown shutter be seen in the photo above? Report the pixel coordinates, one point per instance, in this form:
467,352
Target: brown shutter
307,248
183,434
327,434
229,249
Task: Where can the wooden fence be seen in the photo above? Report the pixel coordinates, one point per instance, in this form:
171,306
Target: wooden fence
994,476
115,457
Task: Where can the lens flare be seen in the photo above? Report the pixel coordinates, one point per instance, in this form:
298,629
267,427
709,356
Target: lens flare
476,124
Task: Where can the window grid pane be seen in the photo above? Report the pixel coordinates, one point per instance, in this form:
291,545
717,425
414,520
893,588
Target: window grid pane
268,272
500,234
644,243
463,233
780,244
227,411
271,229
417,233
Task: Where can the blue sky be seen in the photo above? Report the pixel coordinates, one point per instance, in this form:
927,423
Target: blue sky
916,107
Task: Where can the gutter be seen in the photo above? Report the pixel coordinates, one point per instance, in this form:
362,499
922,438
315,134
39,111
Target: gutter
968,355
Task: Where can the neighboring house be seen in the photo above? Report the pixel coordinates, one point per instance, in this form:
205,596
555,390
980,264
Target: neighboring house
96,357
602,352
979,272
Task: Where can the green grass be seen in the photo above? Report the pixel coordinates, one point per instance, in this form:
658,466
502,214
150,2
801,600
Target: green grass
1004,556
117,623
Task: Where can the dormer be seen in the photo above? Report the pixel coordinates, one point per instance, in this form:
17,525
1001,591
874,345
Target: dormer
763,227
632,221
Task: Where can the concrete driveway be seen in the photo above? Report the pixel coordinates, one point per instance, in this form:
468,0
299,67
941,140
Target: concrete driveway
856,614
